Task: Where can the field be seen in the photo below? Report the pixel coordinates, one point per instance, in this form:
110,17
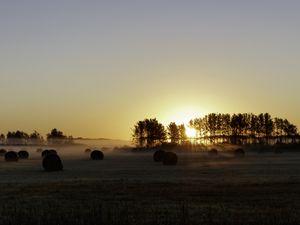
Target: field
129,188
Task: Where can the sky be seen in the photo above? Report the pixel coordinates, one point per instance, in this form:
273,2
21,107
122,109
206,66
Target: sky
94,68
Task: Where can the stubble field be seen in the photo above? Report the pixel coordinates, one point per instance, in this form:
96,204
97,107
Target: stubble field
130,188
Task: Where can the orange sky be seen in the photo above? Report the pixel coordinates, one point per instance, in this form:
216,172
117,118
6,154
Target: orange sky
93,69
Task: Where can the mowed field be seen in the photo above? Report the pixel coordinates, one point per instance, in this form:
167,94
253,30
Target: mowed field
130,188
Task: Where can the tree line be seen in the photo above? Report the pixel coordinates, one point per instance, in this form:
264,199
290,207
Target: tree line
18,137
218,128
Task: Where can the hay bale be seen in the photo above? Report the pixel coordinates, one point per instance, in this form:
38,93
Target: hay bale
213,152
52,162
53,151
2,152
239,152
170,158
97,155
48,152
23,154
88,150
45,152
158,156
39,150
11,156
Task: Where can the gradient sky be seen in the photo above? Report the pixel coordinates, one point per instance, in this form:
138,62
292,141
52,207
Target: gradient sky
94,68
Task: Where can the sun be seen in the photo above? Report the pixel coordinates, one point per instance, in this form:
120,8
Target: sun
190,132
182,115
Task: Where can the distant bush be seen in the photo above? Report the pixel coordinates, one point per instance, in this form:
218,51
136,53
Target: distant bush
170,158
11,156
52,162
239,152
23,154
2,152
158,156
97,155
213,152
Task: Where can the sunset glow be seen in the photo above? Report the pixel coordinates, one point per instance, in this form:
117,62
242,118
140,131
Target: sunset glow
190,132
94,68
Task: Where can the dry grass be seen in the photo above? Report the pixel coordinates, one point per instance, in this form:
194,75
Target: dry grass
123,202
132,189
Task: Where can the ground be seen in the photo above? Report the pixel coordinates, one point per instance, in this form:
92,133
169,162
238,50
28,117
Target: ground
130,188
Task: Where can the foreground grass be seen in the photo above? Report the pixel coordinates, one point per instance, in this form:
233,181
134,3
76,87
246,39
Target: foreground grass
129,202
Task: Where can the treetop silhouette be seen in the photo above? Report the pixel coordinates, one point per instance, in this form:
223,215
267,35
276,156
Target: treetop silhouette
218,128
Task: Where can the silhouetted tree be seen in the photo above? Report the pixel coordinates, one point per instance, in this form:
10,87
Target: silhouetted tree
236,125
212,124
2,139
55,133
225,125
253,127
56,137
290,131
268,126
36,138
260,127
139,133
182,133
17,138
238,128
173,132
199,126
278,128
148,133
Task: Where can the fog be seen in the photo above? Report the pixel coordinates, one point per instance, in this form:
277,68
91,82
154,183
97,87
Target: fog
140,167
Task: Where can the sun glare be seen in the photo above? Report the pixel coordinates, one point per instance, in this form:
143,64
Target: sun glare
182,115
190,132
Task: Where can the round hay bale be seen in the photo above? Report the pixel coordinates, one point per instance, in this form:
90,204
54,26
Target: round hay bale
158,156
213,152
23,154
170,158
39,150
45,152
48,152
52,162
2,152
11,156
239,152
52,151
88,150
97,155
